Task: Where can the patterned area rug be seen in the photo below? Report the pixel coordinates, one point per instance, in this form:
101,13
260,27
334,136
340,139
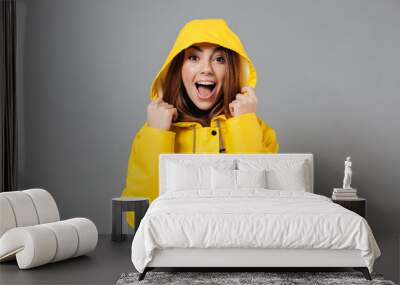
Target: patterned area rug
229,278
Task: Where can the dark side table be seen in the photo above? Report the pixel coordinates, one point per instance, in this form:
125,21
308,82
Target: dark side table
358,205
122,204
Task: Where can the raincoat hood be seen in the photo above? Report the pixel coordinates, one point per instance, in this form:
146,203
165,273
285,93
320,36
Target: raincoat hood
215,31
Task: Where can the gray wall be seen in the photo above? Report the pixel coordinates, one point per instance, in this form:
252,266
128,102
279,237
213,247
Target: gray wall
328,82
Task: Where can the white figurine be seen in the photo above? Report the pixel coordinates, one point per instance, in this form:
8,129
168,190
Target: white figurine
347,174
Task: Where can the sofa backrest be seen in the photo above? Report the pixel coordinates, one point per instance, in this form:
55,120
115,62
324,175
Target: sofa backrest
241,161
26,208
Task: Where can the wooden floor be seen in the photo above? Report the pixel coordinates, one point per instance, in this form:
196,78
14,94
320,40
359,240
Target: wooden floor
102,266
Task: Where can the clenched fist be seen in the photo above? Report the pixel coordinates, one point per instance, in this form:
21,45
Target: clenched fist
244,104
160,114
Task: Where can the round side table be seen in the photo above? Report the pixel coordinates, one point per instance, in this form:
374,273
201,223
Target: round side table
122,204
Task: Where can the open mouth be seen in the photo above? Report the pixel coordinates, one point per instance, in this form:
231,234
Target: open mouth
205,91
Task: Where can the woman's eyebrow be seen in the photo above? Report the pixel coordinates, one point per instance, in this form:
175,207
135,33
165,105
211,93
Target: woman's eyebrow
219,48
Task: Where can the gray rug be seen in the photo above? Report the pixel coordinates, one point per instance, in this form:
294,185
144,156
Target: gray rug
229,278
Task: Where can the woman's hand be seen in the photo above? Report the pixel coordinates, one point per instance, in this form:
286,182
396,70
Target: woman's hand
244,104
161,114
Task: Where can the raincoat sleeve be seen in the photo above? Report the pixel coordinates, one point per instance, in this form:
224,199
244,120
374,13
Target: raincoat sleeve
142,173
248,134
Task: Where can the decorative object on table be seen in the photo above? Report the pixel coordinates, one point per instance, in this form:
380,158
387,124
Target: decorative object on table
347,192
347,173
121,204
358,205
216,278
31,231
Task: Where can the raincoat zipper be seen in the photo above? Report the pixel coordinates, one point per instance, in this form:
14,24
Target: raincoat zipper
221,141
194,138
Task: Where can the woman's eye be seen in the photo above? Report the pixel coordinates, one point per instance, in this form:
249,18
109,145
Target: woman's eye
221,59
192,57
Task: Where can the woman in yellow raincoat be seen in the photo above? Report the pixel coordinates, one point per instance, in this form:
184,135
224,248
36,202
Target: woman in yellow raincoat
202,101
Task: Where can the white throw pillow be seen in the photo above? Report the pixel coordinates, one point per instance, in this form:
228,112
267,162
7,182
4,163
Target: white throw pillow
186,175
223,179
251,178
181,177
286,174
287,179
236,179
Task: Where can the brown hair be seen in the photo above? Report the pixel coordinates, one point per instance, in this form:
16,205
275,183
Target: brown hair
175,92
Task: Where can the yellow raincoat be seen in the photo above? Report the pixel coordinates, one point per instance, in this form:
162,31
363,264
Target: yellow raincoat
245,133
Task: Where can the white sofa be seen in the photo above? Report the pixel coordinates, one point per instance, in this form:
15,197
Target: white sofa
31,231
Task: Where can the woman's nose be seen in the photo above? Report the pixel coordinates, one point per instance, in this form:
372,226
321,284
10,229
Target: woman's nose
206,67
